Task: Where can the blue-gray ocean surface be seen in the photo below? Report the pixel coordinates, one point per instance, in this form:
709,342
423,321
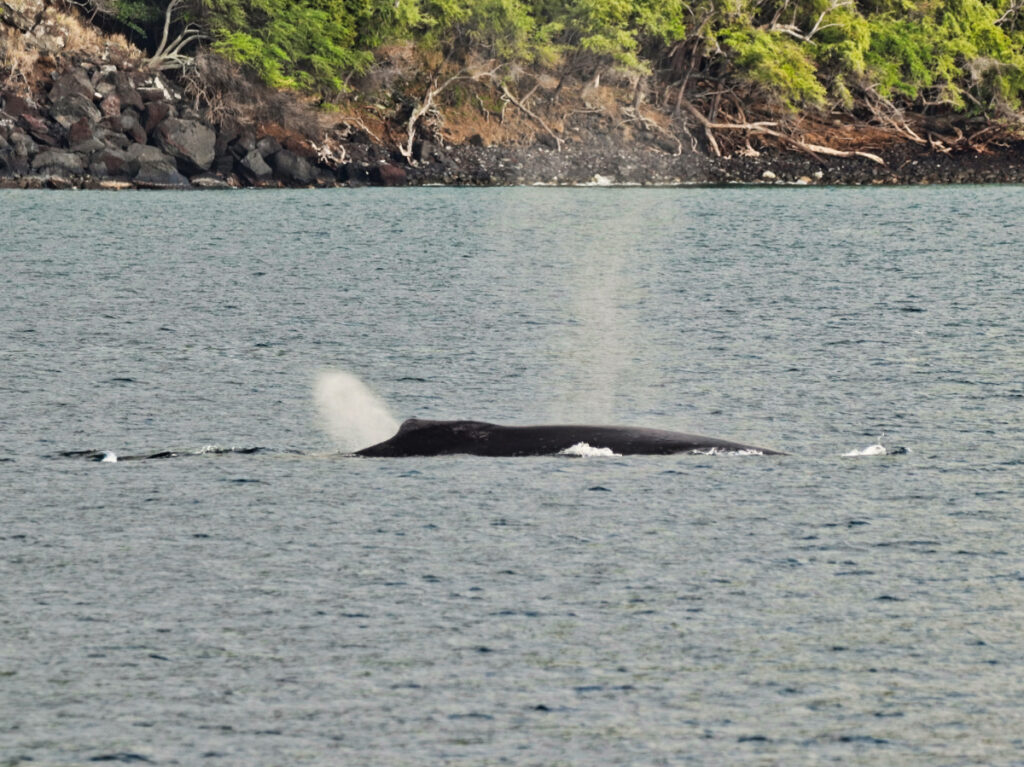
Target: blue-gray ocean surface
297,606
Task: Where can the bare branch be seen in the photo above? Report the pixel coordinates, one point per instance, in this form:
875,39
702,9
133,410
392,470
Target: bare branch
767,128
794,31
1010,13
428,103
169,55
531,115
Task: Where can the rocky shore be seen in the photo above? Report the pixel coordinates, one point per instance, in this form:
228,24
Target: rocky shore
94,125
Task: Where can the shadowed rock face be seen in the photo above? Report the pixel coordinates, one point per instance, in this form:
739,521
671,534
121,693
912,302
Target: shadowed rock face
188,141
418,437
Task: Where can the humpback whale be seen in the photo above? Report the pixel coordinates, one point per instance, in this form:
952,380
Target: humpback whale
420,437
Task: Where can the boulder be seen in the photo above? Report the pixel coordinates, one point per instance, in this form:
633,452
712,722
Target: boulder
105,88
21,144
128,124
110,106
73,107
58,162
324,177
189,141
156,169
224,164
81,137
113,163
424,151
242,145
73,83
388,175
38,129
13,165
16,105
46,37
225,135
113,139
254,167
267,146
294,169
125,90
155,113
22,14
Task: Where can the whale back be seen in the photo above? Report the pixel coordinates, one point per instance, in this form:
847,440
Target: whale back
423,437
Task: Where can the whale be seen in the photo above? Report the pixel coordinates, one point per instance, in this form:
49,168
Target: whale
421,437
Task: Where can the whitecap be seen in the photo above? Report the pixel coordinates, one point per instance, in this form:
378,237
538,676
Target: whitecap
877,449
583,450
109,456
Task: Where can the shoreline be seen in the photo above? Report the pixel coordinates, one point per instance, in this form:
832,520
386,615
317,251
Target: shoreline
505,166
91,125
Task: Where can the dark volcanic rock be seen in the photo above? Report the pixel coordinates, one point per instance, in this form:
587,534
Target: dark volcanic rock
39,130
154,114
81,137
156,169
73,107
128,123
224,164
254,167
73,83
388,175
22,15
21,144
267,146
16,105
57,162
110,106
113,163
189,141
292,168
424,151
125,90
12,163
242,145
112,138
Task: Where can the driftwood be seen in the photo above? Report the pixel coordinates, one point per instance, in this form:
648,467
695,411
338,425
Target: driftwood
767,128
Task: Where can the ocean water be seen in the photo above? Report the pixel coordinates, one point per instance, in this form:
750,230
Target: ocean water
258,597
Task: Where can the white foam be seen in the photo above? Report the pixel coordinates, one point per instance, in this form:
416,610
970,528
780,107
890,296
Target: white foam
352,415
877,449
583,450
724,451
109,456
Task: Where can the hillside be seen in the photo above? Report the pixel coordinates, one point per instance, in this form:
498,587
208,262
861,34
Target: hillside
228,93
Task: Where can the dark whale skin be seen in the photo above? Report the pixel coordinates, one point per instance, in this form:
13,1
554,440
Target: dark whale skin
419,437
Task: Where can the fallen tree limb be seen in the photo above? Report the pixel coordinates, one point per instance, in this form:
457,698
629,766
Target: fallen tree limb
635,116
766,128
531,115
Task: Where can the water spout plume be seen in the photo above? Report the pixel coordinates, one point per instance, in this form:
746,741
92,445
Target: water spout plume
351,414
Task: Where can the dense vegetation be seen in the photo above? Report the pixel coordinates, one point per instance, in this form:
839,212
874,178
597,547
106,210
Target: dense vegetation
965,56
